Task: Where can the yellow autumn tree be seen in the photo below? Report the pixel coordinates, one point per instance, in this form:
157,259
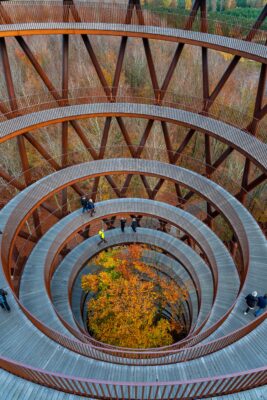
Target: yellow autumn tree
127,300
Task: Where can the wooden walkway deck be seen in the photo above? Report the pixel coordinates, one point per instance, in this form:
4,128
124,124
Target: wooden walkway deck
253,51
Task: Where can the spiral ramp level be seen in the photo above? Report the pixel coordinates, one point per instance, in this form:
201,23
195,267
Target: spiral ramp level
49,354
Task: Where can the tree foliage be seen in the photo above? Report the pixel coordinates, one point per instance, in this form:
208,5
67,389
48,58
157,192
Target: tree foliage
128,297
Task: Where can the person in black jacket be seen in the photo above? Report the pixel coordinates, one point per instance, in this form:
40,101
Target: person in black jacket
251,301
84,202
134,224
262,303
123,222
3,301
90,206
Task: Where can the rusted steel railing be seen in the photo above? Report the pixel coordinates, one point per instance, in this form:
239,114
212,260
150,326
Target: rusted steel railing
101,389
89,95
100,12
159,357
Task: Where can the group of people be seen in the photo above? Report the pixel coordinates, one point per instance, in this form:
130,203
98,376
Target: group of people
253,300
87,205
134,226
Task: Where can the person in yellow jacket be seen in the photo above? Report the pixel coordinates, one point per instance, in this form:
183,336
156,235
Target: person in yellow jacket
101,234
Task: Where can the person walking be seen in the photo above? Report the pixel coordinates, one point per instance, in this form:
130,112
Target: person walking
262,303
90,207
84,202
134,224
251,300
3,301
101,234
123,223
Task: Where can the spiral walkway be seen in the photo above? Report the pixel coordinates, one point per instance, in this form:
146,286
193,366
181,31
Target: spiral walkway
79,256
46,240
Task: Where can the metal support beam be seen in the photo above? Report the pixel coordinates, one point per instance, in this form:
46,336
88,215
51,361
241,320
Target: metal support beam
254,126
20,140
205,84
64,130
124,40
252,185
11,180
179,49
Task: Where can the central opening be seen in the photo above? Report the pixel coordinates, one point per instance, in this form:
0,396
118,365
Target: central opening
131,301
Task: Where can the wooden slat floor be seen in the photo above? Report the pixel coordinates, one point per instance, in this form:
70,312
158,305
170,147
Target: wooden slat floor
55,358
32,283
250,352
256,253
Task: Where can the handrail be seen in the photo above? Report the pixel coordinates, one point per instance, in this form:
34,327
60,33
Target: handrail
172,200
163,390
176,345
49,11
102,389
51,267
150,258
106,354
97,225
45,100
219,175
163,356
191,349
187,341
198,167
200,350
